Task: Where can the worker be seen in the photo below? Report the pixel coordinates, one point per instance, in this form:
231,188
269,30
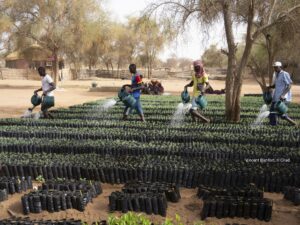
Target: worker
282,85
48,86
200,84
135,90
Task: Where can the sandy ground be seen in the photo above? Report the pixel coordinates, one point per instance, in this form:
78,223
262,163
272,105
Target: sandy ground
15,94
188,208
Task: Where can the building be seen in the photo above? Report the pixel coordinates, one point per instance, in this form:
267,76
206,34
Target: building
30,58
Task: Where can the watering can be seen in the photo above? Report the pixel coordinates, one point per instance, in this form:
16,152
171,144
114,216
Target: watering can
36,100
267,96
201,101
126,98
185,97
122,94
280,107
129,101
48,101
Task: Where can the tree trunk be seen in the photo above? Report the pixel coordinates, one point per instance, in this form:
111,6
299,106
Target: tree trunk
148,70
118,70
55,66
112,67
271,57
234,79
90,64
107,66
231,68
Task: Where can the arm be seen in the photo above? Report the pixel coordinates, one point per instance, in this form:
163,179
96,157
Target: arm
288,82
207,86
285,91
126,85
38,90
271,86
53,87
189,85
139,87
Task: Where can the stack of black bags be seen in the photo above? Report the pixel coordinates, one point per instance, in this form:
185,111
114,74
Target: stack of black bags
55,196
151,198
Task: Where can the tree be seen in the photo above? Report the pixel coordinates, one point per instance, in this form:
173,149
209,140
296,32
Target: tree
185,63
54,25
257,16
280,43
152,39
172,62
213,57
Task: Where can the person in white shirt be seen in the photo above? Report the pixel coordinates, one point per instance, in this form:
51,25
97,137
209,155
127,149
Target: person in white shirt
48,86
281,84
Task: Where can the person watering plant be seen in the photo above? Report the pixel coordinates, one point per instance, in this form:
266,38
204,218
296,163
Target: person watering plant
200,84
48,86
282,86
135,90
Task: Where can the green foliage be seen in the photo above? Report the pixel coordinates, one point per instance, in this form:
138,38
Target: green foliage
213,57
129,219
138,219
40,179
177,221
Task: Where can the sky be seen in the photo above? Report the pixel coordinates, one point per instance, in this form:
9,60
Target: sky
191,44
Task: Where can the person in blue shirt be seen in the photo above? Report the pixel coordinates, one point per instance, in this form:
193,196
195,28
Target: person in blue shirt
135,90
282,86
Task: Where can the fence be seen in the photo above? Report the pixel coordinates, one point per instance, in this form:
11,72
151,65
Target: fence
19,74
160,74
71,74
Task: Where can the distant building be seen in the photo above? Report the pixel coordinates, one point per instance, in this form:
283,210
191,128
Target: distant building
15,60
30,58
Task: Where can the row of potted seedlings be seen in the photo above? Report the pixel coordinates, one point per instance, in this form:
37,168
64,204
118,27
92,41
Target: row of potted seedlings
148,202
12,185
248,191
148,197
208,148
171,191
227,206
292,194
73,185
55,196
188,173
245,201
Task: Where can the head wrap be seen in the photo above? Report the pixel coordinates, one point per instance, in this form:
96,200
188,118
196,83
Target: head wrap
199,63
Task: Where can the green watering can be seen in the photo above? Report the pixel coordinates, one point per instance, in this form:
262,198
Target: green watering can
122,94
201,101
48,101
129,101
126,98
36,100
280,107
185,97
267,96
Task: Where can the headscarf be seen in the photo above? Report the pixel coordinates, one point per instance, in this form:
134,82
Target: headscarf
199,63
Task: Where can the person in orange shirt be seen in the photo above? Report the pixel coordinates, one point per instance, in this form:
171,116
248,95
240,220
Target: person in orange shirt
200,84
